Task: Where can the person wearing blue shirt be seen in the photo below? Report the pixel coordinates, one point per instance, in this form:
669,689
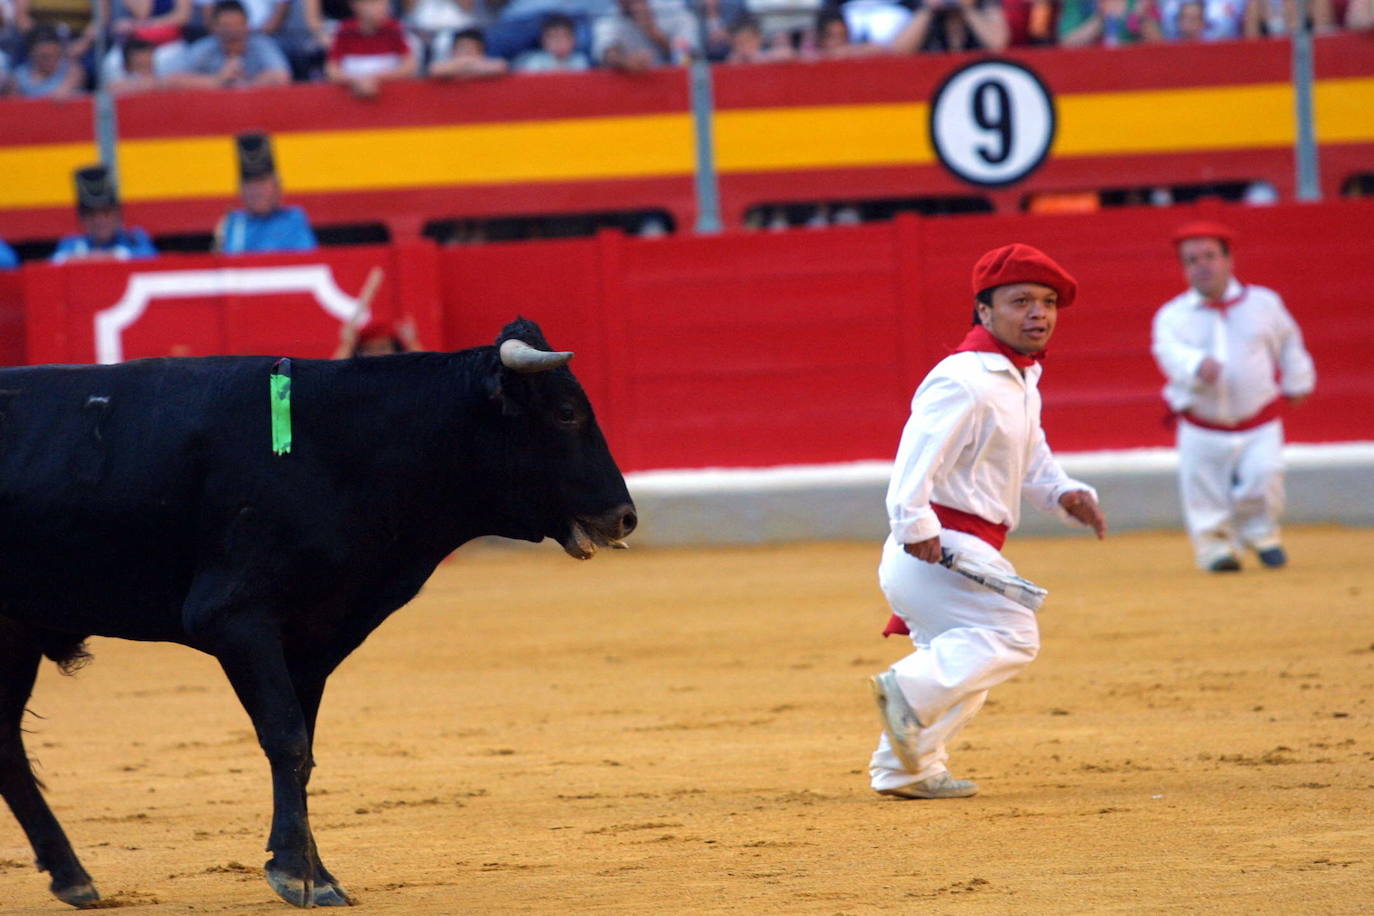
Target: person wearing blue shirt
8,259
262,224
103,235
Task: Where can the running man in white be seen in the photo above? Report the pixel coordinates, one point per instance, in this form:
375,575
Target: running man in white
973,444
1230,353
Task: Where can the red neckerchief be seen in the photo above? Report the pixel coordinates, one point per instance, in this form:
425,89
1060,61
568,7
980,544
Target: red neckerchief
1221,305
979,339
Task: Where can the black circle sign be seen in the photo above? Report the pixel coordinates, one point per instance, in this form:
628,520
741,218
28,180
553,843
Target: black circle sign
992,122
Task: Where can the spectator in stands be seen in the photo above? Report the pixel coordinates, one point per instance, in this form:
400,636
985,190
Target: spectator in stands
1277,18
265,17
231,55
154,21
369,49
377,338
748,46
323,17
557,49
1202,20
468,59
875,22
102,236
8,259
953,25
832,35
1108,23
14,22
1359,14
436,22
263,224
303,36
1188,22
720,16
641,36
137,72
48,71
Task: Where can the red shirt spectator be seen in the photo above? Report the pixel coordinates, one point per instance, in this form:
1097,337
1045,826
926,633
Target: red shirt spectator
369,49
356,51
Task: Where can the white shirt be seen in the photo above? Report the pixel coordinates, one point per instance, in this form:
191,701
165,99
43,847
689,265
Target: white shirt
974,443
1254,340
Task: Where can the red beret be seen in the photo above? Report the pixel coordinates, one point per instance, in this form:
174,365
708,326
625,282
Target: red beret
1017,263
377,330
1203,230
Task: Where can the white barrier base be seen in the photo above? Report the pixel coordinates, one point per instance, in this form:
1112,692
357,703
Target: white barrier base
1326,483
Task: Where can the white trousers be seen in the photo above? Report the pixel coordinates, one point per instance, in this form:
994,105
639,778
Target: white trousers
1231,487
968,640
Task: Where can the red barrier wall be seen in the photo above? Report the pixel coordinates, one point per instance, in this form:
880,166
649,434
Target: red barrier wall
12,337
762,349
199,305
788,348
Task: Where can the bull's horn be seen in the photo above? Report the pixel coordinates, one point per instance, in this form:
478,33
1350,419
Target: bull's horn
521,357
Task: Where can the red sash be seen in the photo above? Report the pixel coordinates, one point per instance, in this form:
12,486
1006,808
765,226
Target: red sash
1266,413
955,520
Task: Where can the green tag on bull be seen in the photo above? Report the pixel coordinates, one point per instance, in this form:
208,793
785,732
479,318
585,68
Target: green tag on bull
279,397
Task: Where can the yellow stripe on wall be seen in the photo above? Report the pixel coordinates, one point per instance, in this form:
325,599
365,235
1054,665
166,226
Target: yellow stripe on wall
565,150
41,175
1174,120
661,145
823,136
1344,109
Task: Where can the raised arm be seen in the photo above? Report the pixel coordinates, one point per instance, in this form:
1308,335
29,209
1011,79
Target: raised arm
988,24
1179,361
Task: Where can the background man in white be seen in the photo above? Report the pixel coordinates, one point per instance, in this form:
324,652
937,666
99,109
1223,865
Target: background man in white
972,445
1230,353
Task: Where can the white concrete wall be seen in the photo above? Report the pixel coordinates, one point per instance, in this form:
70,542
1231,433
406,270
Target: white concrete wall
1326,483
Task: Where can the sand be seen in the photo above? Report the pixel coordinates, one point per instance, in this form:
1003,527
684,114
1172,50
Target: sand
687,731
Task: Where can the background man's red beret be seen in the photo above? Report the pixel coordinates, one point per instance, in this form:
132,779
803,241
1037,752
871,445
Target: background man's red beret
1018,263
1203,230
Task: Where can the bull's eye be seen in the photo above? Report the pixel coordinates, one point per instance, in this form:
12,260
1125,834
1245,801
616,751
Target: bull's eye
567,414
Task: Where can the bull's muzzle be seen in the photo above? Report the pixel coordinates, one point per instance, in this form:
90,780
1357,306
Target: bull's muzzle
587,534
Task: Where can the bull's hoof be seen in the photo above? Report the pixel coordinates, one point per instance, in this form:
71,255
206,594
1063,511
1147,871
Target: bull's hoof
295,891
332,895
82,896
301,893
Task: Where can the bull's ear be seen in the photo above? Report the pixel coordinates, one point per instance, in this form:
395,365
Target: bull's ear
499,396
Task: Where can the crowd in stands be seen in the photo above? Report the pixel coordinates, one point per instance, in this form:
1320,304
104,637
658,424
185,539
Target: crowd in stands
140,45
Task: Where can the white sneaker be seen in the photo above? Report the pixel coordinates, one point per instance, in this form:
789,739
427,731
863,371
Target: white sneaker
899,720
941,785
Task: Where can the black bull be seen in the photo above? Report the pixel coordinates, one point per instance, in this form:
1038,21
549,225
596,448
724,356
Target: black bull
145,501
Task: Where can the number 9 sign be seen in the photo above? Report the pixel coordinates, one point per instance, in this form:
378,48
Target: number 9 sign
992,122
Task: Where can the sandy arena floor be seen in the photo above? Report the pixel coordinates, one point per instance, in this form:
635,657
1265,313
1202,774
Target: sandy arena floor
687,732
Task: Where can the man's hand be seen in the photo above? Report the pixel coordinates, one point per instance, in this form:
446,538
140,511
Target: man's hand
928,550
231,72
365,87
1295,399
1083,508
1209,370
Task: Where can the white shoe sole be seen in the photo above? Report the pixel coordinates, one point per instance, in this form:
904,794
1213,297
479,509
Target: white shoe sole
892,709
